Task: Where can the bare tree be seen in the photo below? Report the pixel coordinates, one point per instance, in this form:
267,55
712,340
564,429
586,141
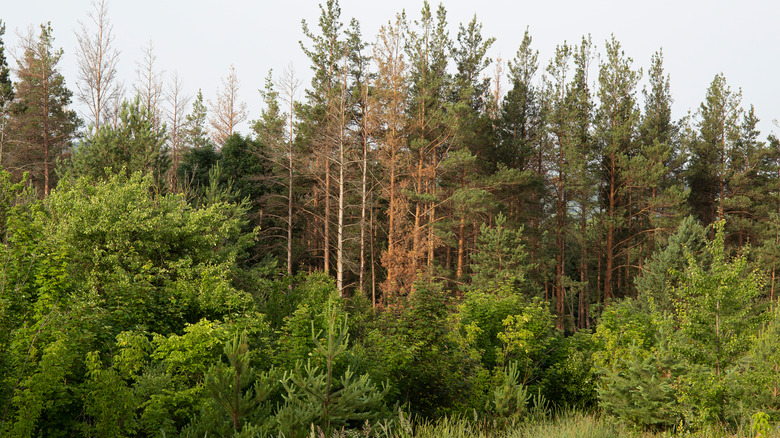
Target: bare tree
228,110
177,112
275,131
97,86
289,85
149,84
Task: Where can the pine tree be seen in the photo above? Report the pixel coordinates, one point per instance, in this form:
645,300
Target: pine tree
98,87
41,122
519,150
228,111
560,125
751,178
580,159
709,163
195,133
229,384
6,94
275,133
133,145
390,94
176,114
319,116
467,160
319,397
617,121
661,195
430,125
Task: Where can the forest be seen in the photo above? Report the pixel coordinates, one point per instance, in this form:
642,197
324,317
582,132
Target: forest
400,248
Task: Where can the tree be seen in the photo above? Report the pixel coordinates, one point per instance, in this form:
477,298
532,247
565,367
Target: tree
228,384
228,111
176,118
195,135
41,122
430,125
6,94
149,85
133,145
468,158
275,133
751,180
318,397
519,148
320,115
561,127
97,87
661,197
390,93
617,119
500,258
664,268
717,315
707,171
361,129
581,159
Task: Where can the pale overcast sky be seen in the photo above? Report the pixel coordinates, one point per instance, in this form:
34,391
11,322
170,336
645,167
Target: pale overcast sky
201,39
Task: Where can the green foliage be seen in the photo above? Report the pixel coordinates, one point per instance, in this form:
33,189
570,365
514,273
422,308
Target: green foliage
147,259
315,396
640,389
415,348
310,304
135,144
527,338
663,269
500,258
195,131
570,380
758,381
481,316
109,401
195,168
625,328
682,361
718,316
509,400
228,383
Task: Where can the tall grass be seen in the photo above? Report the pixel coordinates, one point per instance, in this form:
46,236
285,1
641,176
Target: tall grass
567,424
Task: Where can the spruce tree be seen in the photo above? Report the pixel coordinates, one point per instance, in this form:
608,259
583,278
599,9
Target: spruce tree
500,258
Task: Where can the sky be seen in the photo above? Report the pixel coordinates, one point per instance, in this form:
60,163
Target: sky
199,39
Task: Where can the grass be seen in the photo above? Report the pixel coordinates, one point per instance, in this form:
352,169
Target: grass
572,424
